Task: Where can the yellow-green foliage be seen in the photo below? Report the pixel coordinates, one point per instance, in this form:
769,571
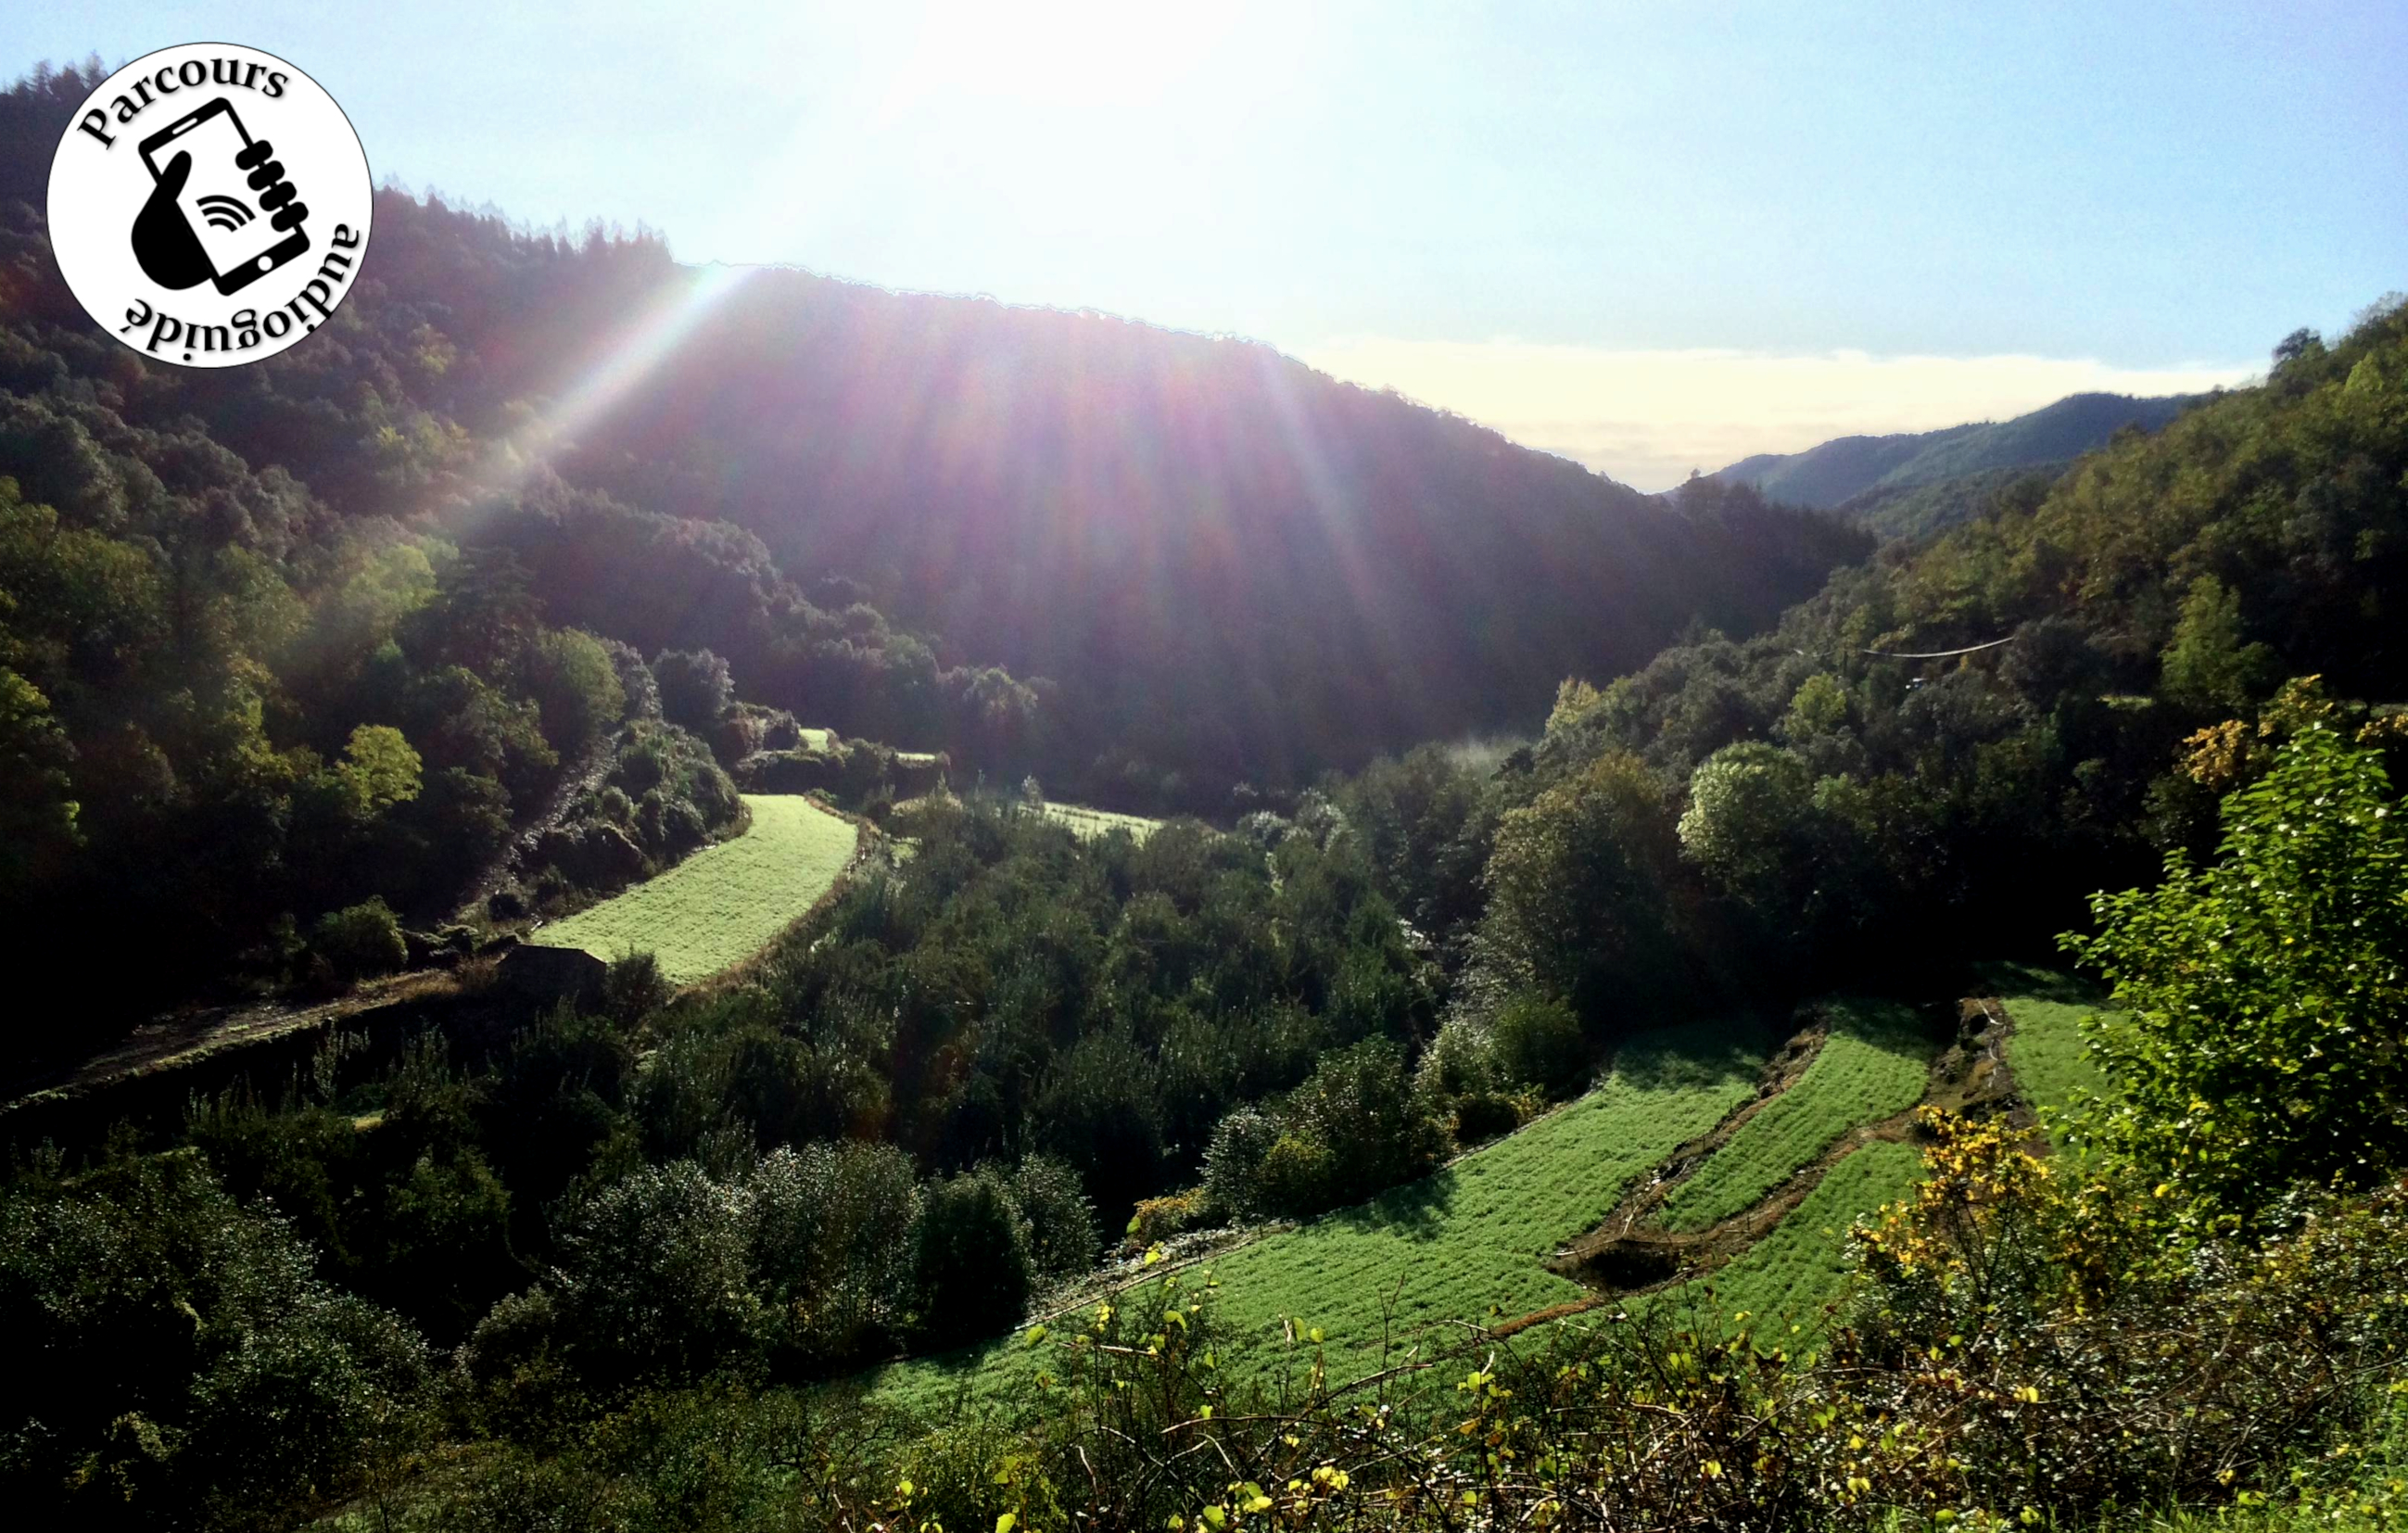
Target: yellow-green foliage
724,902
1455,1245
1873,1063
1087,824
1786,1278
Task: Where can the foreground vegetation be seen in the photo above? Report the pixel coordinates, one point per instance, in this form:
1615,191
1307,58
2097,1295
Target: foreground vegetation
721,906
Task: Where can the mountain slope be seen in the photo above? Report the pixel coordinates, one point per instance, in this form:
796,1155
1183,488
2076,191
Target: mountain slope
1233,566
1229,567
1861,474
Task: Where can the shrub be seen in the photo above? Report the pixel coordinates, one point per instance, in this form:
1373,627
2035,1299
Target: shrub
1157,1219
360,940
635,682
634,987
169,1359
1358,1109
1233,1163
1483,1116
1353,1127
1461,1060
575,687
2281,962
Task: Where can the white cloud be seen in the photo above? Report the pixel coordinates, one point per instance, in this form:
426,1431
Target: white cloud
1647,418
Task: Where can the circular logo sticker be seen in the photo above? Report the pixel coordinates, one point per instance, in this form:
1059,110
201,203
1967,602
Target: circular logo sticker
209,205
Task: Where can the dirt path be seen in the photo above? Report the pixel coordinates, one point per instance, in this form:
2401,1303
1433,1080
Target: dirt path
187,1037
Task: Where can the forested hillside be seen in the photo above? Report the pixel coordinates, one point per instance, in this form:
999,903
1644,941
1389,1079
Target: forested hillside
285,638
1921,482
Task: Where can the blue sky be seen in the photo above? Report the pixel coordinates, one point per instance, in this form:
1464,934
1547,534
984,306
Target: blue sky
1652,237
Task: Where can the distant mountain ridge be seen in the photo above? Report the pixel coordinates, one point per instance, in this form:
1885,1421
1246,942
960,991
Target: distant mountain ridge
1872,476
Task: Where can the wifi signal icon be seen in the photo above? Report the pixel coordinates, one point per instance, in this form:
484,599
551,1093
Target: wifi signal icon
223,212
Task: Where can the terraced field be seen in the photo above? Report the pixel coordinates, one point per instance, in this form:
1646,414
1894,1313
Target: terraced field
1787,1278
2046,1050
1872,1066
1453,1246
1471,1244
724,902
1087,824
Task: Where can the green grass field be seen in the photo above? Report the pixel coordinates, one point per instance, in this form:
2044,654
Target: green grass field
1452,1246
1088,823
724,902
1786,1278
2047,1051
1872,1064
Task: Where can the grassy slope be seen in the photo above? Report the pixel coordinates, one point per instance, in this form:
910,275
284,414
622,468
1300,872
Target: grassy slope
1786,1278
1452,1245
725,903
1872,1064
1089,824
2046,1049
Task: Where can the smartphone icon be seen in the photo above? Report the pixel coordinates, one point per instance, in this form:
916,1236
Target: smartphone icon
241,238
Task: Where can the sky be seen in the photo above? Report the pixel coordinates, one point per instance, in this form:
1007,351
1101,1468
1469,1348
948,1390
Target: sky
1653,237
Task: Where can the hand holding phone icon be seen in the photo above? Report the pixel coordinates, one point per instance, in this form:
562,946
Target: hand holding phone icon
220,207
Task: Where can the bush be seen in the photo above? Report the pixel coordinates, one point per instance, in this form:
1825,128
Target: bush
635,682
1357,1107
1354,1128
360,940
1157,1219
575,687
969,1259
634,987
1482,1116
1538,1042
2281,961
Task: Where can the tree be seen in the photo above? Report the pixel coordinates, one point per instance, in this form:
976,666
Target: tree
1819,706
38,810
2207,666
970,1258
694,687
656,1274
1579,886
379,768
576,688
1061,1222
1748,807
2267,1044
831,1230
